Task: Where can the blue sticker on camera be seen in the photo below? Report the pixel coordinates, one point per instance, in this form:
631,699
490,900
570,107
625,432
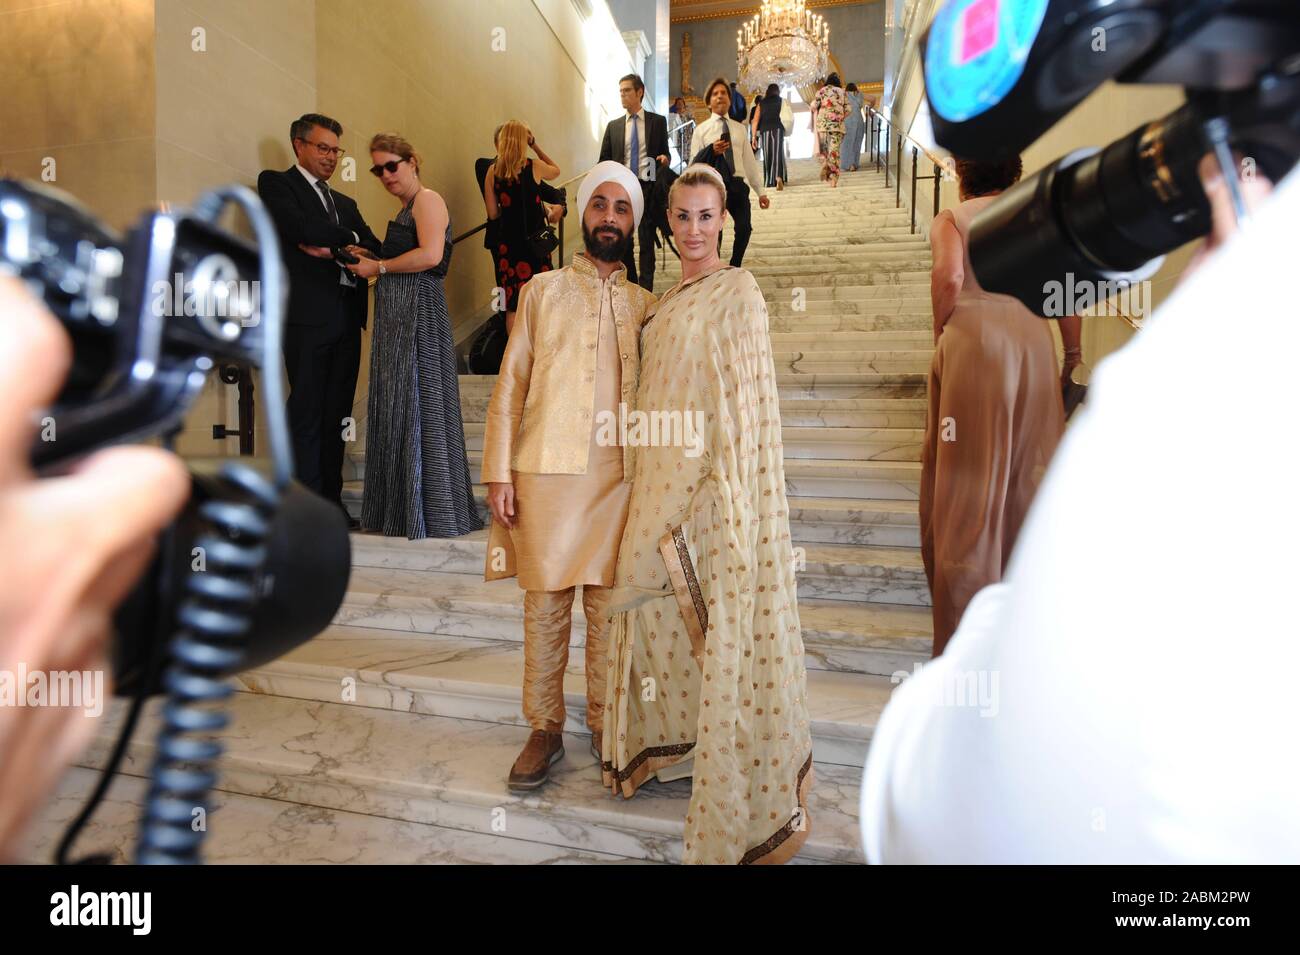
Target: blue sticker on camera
976,53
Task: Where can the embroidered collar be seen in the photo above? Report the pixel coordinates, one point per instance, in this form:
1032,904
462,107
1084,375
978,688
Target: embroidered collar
585,267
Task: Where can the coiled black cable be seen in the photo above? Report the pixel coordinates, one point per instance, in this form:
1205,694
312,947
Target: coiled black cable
214,618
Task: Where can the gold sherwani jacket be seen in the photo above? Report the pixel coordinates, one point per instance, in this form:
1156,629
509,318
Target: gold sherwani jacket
540,417
542,414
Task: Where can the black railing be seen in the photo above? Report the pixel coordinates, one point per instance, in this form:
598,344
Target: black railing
878,123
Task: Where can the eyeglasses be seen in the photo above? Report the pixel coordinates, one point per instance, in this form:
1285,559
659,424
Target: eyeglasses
323,149
391,166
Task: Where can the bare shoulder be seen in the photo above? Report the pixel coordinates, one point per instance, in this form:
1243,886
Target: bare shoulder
430,199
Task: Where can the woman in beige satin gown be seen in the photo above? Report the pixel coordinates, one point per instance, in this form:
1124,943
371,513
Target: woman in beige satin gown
995,414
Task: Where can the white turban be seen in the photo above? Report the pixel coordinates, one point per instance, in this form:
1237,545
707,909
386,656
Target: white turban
612,171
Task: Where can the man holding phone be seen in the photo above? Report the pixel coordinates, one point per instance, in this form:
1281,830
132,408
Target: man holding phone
319,230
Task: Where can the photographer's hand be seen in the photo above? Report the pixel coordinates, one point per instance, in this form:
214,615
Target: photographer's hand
1253,191
71,547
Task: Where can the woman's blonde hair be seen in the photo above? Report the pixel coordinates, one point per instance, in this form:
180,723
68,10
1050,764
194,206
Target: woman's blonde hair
699,174
512,150
395,144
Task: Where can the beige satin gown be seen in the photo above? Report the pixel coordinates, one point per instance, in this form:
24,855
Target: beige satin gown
994,420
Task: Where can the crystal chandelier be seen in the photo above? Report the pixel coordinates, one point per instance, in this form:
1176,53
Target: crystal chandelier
784,44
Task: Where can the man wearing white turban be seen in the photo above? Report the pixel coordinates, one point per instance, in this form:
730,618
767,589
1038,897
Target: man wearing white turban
558,484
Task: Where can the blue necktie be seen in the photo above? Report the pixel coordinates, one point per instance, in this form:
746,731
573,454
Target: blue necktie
633,162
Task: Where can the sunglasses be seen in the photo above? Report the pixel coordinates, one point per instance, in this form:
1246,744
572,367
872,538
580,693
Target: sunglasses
391,166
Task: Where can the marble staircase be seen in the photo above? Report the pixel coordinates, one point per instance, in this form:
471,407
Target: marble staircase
399,722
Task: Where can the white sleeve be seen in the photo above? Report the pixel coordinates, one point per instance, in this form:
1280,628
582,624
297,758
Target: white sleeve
697,141
753,171
1126,695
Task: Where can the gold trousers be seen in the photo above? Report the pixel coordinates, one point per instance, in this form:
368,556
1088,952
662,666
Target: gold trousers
548,616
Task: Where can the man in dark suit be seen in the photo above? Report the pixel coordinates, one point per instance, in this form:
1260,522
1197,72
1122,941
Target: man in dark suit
639,140
327,304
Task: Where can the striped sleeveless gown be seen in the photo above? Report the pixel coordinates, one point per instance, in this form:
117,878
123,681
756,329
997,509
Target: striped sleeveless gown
417,473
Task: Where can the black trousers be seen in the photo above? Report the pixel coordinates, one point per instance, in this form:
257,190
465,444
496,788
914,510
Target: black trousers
322,364
738,209
645,238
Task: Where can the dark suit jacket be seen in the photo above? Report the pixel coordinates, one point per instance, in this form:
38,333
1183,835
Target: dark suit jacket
299,214
656,139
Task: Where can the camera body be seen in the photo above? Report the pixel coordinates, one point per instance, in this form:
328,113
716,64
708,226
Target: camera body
149,314
999,73
256,564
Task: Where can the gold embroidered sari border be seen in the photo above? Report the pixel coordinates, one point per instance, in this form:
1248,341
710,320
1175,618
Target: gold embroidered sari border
650,752
686,588
778,839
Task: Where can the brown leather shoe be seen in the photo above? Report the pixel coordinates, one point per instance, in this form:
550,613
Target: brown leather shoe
533,766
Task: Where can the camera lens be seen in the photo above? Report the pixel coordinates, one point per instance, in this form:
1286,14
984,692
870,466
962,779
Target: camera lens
1099,218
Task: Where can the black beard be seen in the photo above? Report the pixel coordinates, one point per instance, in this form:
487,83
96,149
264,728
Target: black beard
605,249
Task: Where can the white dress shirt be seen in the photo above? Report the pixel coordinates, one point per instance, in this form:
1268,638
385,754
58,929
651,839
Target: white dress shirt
1145,640
746,163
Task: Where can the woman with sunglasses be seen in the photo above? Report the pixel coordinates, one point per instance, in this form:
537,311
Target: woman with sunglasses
514,204
417,473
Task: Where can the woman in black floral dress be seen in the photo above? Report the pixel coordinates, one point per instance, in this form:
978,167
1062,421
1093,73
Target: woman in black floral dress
514,205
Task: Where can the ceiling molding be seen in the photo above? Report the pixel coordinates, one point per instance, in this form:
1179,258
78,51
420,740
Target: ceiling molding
681,10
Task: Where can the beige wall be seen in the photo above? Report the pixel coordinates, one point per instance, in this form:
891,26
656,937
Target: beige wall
77,87
231,75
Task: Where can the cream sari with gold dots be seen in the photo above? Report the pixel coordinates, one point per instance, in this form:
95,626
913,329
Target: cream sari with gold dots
705,652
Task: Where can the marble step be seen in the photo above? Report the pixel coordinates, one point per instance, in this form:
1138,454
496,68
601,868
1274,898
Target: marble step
785,314
441,771
826,520
874,638
831,571
879,289
822,360
840,444
882,340
870,235
911,281
475,679
852,385
880,480
826,319
262,830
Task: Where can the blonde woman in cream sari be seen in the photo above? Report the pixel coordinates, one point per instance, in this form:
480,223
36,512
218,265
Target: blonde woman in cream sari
705,652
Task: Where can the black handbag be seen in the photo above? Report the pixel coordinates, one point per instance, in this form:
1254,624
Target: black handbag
488,347
543,242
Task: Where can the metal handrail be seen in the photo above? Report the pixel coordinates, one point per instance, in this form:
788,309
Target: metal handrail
878,123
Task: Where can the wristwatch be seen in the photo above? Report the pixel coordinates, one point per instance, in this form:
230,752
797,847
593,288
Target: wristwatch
383,269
